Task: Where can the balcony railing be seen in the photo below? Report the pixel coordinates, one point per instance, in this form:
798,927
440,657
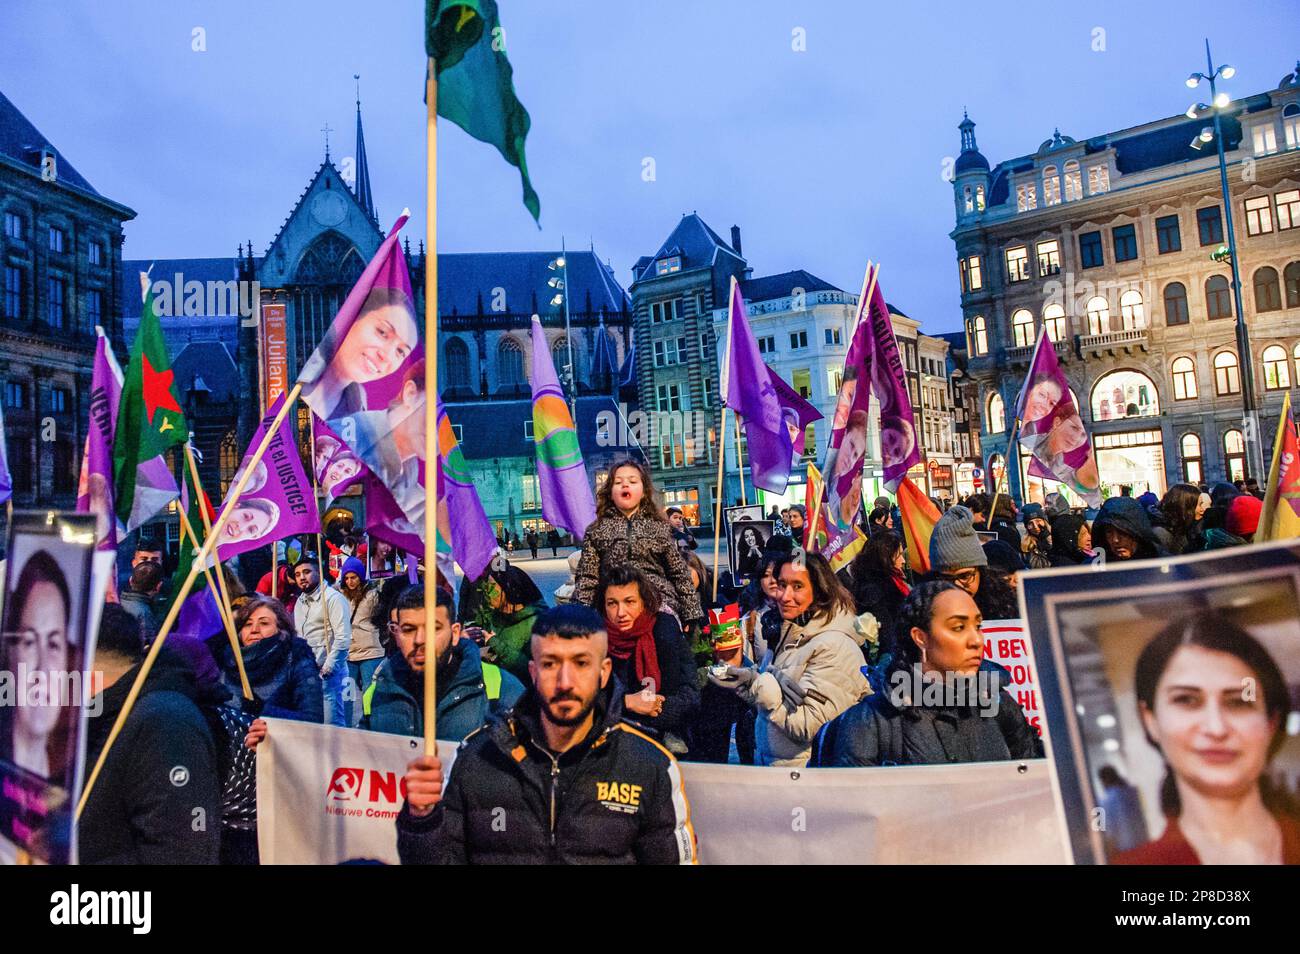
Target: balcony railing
1111,340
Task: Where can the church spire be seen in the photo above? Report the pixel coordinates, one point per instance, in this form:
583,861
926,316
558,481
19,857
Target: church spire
361,186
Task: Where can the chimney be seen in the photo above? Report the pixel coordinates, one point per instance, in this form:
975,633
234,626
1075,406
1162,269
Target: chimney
735,240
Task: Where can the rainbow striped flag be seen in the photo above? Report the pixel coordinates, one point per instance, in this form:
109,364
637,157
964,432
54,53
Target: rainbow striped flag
1280,519
919,516
567,501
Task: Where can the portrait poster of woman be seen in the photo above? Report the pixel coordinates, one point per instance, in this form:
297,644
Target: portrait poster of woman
747,540
49,596
1172,692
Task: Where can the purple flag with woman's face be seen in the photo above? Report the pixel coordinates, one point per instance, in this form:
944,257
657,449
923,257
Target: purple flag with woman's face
277,501
872,367
1051,428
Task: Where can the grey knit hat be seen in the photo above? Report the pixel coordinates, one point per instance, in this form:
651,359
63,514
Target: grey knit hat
954,544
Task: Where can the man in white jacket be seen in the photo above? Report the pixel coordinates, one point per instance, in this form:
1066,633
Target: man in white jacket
323,617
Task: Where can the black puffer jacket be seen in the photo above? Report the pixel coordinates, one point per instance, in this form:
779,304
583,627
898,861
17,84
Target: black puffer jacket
616,798
648,545
1128,516
160,778
878,732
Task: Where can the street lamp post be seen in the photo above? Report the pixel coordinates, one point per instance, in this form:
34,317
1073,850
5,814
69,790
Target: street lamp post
561,285
1254,445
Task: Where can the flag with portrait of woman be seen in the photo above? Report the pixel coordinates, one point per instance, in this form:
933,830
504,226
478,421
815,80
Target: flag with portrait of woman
1051,428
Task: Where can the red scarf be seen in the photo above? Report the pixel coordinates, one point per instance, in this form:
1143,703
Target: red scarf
638,643
901,584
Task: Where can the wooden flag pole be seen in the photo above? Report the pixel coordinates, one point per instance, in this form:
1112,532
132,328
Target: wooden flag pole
200,560
223,595
722,443
227,614
431,403
740,463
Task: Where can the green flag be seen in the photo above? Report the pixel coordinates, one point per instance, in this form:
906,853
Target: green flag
149,417
476,89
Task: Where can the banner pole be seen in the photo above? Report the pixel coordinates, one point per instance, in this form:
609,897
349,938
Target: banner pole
200,560
722,443
226,612
1006,469
431,401
740,462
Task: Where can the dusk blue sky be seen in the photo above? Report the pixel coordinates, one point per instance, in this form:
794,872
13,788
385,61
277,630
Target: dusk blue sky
824,158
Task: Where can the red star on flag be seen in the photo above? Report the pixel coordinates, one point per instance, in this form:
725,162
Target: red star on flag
157,390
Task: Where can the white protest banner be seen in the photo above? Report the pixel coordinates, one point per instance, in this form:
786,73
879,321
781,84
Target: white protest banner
1007,644
327,795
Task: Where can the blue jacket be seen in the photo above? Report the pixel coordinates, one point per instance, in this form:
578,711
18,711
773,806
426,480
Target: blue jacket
282,673
392,702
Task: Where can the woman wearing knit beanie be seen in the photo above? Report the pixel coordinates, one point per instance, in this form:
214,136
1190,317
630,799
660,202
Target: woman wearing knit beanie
956,555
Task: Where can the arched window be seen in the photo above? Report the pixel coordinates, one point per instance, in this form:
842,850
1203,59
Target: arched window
228,460
1130,309
979,335
970,200
1218,297
1122,394
510,363
1191,447
1022,327
1073,181
1277,375
1175,304
560,356
1268,294
997,417
979,198
1291,125
1291,279
1054,322
1227,375
457,357
1234,453
1098,316
1051,186
1295,353
1184,372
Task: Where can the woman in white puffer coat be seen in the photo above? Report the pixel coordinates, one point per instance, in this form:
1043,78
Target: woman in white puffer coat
813,672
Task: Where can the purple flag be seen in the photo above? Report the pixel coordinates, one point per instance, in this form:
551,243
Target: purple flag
277,500
872,367
752,395
796,411
567,501
337,468
463,527
6,481
1052,430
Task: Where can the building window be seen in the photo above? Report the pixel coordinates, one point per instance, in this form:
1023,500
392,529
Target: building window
669,397
970,200
972,274
1295,354
57,238
1022,328
1259,215
510,363
1098,316
1131,311
1175,304
60,400
1288,209
832,336
1264,139
1123,394
560,358
1268,293
1125,239
1073,181
666,266
55,310
458,432
1026,197
1227,375
767,344
979,335
798,339
1277,374
1184,373
1218,297
16,395
1234,452
1098,179
1054,322
801,381
1191,447
65,471
1291,278
1049,258
1051,186
1090,253
1168,238
706,347
997,416
1017,264
1291,125
661,311
13,292
14,226
1209,225
456,354
95,253
94,307
979,198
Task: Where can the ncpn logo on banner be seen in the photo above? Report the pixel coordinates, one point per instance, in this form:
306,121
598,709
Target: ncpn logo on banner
377,794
